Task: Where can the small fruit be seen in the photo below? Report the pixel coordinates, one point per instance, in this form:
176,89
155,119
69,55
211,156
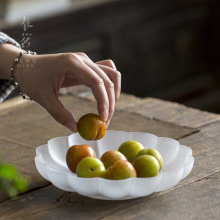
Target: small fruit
110,157
146,166
141,152
90,167
76,153
121,169
153,152
91,127
130,149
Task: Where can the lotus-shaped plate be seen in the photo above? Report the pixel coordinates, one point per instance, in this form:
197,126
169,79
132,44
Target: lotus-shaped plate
50,161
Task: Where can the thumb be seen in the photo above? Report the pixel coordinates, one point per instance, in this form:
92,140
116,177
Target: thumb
62,115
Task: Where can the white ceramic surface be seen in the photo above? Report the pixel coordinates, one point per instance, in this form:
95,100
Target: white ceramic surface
50,161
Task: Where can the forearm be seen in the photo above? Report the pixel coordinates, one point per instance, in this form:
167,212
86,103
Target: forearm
8,53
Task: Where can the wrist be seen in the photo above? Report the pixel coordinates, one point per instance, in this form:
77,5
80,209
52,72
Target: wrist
8,53
13,80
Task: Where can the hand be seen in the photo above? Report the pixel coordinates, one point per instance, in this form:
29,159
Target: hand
52,72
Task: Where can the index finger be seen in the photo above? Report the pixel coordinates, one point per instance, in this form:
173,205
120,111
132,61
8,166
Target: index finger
108,63
88,77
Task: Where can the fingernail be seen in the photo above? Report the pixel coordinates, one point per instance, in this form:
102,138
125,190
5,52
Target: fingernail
114,65
105,115
71,126
117,97
107,123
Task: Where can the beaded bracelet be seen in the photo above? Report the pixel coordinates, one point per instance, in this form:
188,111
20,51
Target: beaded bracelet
12,79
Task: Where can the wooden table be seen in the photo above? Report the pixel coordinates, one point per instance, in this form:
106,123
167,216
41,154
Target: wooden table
25,125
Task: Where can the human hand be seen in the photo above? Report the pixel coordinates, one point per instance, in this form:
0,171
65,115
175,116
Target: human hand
54,71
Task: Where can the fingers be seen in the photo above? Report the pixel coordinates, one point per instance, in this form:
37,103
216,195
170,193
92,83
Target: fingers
109,86
102,77
115,77
98,88
108,63
87,76
109,68
56,109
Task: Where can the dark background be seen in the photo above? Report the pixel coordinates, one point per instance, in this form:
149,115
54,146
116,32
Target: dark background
164,49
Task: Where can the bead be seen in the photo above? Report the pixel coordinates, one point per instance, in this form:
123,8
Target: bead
12,79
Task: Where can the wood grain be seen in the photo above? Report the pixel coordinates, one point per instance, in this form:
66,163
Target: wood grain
27,125
196,197
174,113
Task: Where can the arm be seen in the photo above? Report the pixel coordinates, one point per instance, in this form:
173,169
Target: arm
8,53
54,71
5,87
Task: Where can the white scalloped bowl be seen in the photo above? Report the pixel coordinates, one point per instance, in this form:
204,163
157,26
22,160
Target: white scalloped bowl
50,161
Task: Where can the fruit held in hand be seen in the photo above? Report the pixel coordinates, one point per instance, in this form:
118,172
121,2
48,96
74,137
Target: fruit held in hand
121,169
91,127
146,166
110,157
76,153
153,152
130,149
90,167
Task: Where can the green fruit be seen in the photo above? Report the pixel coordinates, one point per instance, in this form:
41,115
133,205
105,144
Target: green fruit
121,169
146,166
153,152
142,152
130,149
90,167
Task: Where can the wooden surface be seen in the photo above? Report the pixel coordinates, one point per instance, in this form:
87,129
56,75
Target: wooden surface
25,125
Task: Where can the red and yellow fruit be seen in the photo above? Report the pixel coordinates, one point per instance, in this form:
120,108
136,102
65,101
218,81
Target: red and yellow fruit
91,127
110,157
131,160
121,169
76,153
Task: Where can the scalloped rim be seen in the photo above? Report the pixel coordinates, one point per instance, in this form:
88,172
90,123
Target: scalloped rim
70,182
